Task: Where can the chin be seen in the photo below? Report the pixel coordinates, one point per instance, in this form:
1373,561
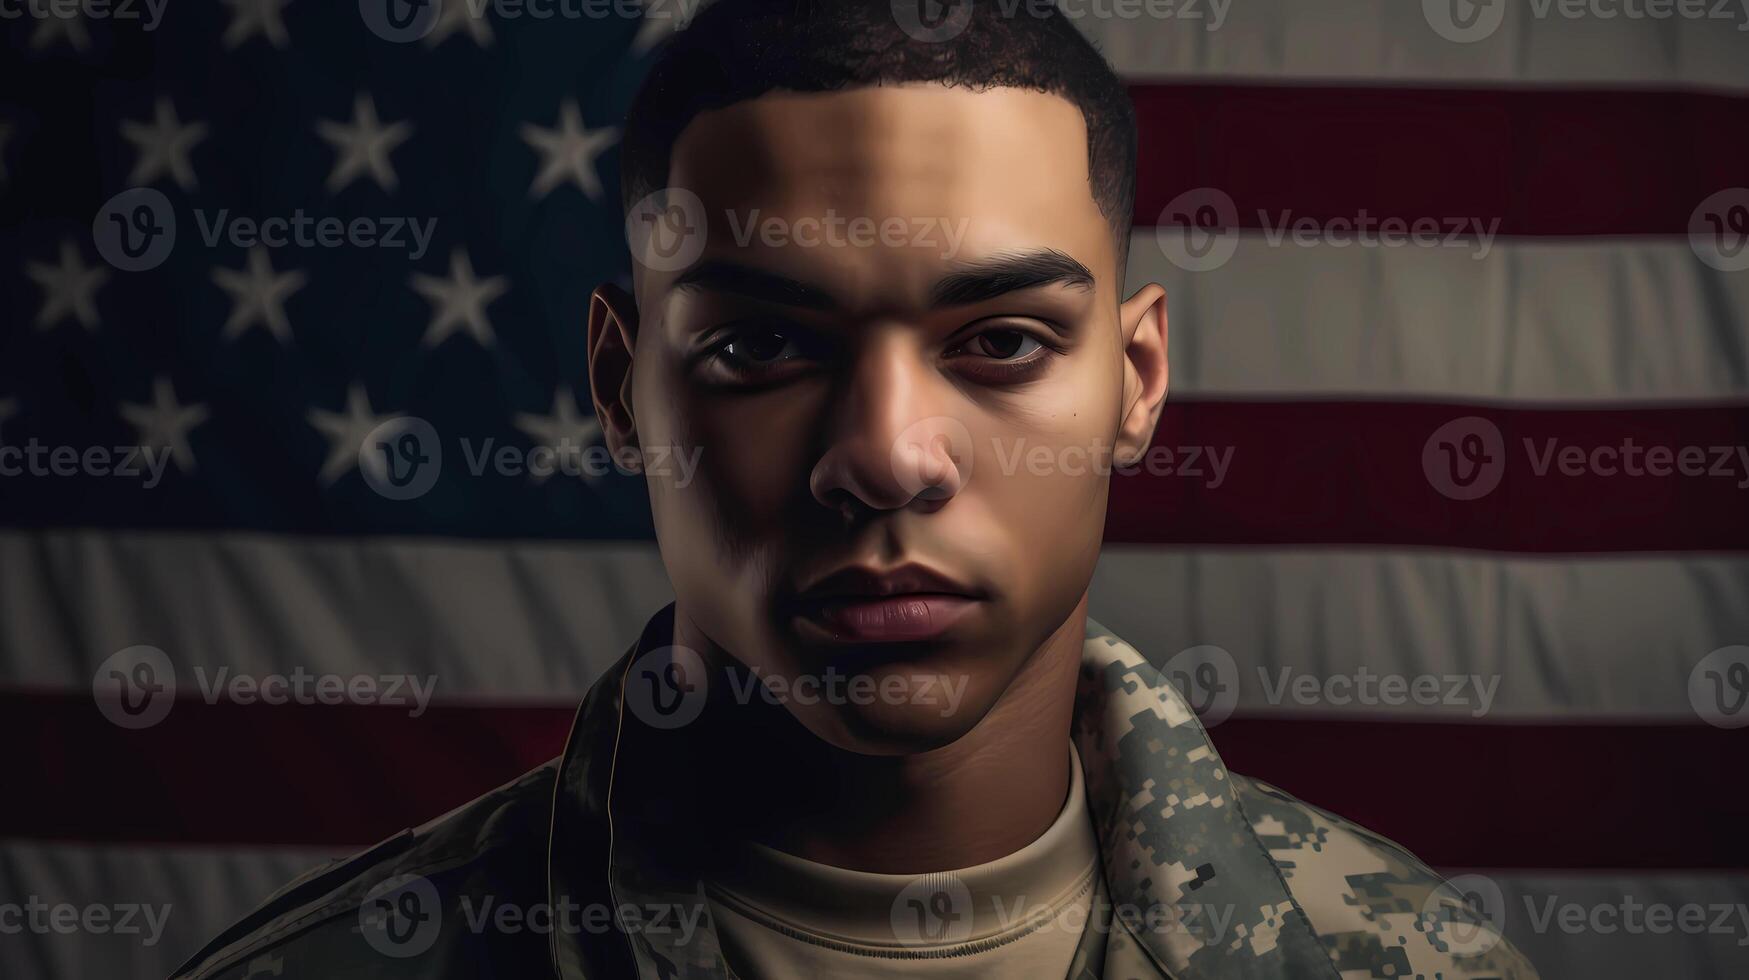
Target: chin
904,725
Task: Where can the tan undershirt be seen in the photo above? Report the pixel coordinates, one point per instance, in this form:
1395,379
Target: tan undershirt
780,916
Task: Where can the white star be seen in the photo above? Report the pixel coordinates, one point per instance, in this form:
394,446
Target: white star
459,301
565,431
457,15
54,26
258,295
363,146
164,144
346,432
568,152
252,17
70,288
164,424
8,408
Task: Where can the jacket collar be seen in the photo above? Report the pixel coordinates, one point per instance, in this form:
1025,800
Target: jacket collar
1177,852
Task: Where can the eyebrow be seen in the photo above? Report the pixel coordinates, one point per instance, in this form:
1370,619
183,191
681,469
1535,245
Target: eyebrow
975,283
1010,272
742,280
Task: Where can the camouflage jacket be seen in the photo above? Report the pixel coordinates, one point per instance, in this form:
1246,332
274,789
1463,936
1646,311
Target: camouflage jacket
1206,874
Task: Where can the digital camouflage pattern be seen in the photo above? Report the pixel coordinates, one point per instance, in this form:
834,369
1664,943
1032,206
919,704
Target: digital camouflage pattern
569,872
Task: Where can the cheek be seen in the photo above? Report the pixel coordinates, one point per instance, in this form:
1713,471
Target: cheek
751,460
1042,480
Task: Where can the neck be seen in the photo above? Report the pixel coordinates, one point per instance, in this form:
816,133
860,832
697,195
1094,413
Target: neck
979,798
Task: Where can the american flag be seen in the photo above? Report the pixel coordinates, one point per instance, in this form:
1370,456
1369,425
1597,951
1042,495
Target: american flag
1419,255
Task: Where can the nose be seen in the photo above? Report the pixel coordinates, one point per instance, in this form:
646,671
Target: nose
891,444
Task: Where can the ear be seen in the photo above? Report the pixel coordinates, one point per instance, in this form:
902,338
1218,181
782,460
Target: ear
1142,319
613,333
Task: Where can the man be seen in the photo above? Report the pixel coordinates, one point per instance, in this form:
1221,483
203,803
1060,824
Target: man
879,266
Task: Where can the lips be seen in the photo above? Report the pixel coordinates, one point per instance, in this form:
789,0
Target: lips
910,603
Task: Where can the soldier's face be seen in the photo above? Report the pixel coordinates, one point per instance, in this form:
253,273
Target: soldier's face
900,362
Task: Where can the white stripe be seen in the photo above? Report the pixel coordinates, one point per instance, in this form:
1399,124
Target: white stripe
485,619
208,889
1628,925
1532,320
1394,41
1570,638
1560,639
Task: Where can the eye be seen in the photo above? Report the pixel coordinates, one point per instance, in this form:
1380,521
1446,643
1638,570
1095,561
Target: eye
1004,345
1001,355
752,355
759,348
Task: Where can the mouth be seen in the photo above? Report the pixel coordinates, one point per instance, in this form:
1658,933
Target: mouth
906,604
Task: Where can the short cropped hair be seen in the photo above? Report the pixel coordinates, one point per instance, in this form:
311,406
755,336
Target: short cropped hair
738,50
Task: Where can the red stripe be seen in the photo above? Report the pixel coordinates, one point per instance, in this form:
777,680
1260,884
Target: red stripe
1544,162
1516,795
1497,795
1351,473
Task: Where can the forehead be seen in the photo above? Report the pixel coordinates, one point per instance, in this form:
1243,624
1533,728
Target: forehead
1007,167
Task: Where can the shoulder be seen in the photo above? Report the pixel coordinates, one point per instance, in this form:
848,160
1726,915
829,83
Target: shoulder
489,851
1376,908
